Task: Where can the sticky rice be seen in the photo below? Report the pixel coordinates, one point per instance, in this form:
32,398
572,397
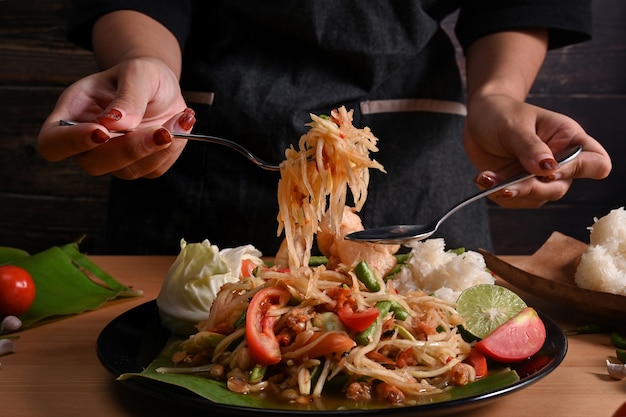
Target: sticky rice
441,272
603,266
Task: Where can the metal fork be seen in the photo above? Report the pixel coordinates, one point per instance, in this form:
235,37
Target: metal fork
209,139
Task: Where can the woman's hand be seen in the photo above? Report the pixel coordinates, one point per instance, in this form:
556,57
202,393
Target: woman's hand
502,132
141,95
504,135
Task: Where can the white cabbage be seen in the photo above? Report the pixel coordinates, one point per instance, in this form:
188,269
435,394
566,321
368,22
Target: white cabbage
195,278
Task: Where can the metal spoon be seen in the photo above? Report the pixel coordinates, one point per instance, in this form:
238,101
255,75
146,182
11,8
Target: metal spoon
210,139
405,233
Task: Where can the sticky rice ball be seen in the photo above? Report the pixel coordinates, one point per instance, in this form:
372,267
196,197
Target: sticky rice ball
610,231
441,272
603,265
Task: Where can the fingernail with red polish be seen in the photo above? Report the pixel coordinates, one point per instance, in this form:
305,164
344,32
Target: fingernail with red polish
548,164
506,193
187,119
547,178
162,137
111,114
485,180
98,136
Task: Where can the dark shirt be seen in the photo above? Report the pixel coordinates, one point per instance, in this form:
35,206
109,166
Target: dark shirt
266,65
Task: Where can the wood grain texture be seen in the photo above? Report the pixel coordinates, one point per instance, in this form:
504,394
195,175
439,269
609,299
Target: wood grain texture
43,204
55,371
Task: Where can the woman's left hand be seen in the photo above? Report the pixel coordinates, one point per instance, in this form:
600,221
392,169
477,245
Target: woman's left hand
502,133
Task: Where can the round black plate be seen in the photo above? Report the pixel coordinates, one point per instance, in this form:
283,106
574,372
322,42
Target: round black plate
131,341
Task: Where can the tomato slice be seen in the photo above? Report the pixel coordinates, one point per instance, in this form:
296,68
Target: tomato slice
262,343
247,267
478,361
357,320
333,342
517,339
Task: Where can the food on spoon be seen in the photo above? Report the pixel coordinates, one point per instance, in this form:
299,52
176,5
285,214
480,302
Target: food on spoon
485,307
603,266
517,339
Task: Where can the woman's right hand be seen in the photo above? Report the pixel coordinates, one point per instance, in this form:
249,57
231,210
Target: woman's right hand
142,95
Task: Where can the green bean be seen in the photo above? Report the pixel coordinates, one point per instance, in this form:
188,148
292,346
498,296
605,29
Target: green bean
401,258
621,354
400,312
366,276
257,373
589,329
318,260
618,340
366,336
241,320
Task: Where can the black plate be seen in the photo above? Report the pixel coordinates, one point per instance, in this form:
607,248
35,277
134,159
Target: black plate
131,341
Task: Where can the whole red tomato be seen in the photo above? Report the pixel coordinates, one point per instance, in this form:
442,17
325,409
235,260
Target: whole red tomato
17,291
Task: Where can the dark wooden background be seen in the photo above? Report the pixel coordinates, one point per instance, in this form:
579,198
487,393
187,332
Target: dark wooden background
44,204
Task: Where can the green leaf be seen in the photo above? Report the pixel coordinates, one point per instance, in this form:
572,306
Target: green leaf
217,392
210,389
67,282
8,254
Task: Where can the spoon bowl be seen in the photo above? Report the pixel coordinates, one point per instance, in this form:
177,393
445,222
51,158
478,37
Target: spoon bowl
403,233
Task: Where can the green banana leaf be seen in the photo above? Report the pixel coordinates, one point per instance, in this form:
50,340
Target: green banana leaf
210,389
66,282
217,392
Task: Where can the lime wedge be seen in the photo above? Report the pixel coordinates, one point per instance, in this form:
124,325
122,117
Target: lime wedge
484,307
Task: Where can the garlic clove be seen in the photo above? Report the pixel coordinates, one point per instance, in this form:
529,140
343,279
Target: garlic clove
616,368
10,323
6,346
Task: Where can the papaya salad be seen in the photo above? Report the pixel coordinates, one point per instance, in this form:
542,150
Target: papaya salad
298,330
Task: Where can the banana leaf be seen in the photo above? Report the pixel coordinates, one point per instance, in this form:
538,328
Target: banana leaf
217,392
210,389
66,282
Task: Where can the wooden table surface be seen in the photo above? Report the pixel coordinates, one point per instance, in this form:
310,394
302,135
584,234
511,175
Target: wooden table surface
55,370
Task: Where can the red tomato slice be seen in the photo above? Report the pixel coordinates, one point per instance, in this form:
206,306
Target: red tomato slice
247,267
333,342
478,361
357,321
17,291
516,339
262,343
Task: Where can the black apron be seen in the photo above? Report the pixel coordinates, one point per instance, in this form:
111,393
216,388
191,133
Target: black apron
254,71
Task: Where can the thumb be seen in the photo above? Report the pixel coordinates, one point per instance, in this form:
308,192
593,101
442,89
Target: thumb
536,157
127,108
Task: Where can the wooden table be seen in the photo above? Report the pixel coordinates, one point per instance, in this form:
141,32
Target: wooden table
55,370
